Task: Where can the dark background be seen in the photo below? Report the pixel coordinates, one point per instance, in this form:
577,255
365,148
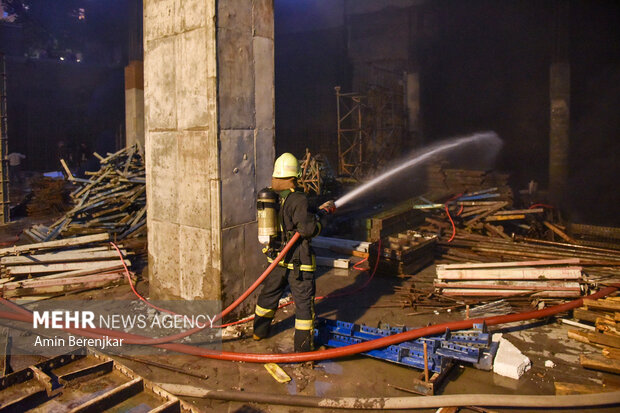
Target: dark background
483,64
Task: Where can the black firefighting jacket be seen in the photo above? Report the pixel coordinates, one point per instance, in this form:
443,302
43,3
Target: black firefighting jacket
294,216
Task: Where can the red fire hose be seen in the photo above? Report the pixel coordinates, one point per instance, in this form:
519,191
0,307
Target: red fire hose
135,339
26,316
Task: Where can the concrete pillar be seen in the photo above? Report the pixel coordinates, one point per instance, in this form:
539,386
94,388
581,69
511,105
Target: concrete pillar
134,103
209,101
559,93
559,97
413,109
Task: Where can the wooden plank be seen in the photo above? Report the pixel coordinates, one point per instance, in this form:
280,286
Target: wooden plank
58,267
514,285
564,389
544,263
495,218
465,292
490,211
112,397
67,170
599,363
602,305
36,283
115,266
591,316
525,273
495,230
521,211
62,256
88,239
602,339
607,326
559,232
610,352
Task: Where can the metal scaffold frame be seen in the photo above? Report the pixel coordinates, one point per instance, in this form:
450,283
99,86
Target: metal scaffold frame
4,148
351,135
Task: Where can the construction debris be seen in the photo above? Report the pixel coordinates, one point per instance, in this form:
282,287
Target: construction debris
403,253
604,314
112,200
509,361
51,268
49,196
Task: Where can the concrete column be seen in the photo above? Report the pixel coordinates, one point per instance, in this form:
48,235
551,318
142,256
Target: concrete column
209,101
559,93
559,97
134,103
413,108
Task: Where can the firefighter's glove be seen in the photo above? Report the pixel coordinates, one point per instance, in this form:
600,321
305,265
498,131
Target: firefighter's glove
327,208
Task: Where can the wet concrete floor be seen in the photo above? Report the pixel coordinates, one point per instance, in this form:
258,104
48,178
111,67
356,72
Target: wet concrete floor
361,376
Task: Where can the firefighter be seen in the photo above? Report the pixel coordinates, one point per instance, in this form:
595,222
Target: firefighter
297,268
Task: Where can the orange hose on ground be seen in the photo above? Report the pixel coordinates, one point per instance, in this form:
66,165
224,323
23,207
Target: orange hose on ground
330,353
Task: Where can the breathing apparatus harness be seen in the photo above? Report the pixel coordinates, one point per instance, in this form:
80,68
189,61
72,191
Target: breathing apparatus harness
271,233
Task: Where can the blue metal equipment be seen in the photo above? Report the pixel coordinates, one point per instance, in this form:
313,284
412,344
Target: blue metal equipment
465,346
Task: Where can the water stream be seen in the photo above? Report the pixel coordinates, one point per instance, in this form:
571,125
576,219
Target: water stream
490,140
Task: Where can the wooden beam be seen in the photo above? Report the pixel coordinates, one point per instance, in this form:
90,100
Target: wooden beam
61,256
88,239
602,305
538,263
524,273
57,267
563,388
600,363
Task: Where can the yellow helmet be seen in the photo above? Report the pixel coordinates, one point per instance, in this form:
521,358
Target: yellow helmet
286,166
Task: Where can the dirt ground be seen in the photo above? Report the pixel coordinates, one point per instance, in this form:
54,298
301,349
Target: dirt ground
359,375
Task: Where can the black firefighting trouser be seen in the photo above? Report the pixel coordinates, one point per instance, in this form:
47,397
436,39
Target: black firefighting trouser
303,289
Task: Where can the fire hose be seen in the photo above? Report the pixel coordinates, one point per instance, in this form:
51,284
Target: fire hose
25,316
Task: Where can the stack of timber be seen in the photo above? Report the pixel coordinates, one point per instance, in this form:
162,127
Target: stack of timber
397,219
458,181
48,196
597,262
112,200
403,253
42,270
547,278
604,318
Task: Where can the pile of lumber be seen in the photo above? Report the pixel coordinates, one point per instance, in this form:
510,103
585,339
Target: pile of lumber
42,270
48,196
403,253
458,181
484,213
597,262
603,319
391,221
547,278
112,200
